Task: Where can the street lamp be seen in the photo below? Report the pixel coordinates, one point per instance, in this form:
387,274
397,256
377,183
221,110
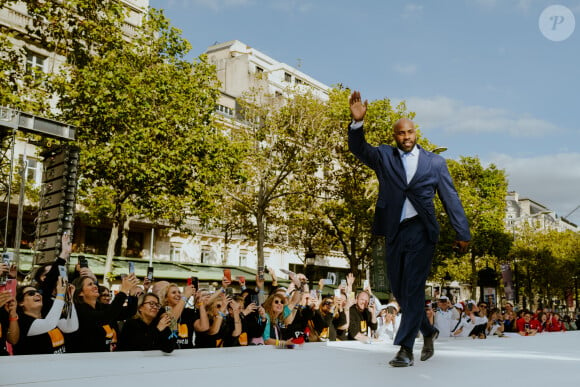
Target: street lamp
309,261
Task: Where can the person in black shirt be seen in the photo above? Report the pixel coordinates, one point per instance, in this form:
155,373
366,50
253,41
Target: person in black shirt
362,317
38,334
185,320
98,322
147,331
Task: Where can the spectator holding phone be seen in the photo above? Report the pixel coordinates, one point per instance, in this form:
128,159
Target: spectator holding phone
185,320
253,318
528,326
98,322
219,329
43,334
494,323
9,328
148,331
362,316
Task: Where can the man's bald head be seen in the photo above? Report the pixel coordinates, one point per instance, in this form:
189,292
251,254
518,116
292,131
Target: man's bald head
403,121
404,134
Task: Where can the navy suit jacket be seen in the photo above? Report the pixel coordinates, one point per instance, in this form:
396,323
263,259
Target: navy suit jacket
431,176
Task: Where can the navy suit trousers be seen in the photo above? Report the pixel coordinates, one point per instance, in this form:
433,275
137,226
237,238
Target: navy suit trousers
409,260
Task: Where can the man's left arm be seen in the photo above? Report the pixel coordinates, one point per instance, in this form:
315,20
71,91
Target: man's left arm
453,207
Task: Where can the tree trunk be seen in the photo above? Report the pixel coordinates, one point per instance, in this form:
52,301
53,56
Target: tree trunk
112,242
261,238
125,237
473,277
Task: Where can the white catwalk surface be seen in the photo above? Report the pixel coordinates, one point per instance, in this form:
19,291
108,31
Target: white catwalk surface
549,359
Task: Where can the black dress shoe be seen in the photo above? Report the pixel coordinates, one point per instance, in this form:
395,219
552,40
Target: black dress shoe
403,358
428,349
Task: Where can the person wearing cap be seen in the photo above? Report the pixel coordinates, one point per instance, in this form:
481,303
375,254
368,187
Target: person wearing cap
470,321
444,316
409,176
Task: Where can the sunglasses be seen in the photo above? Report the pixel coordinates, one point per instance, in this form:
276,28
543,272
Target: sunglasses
327,303
32,293
278,302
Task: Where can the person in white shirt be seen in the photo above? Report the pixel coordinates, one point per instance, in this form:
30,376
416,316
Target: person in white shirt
444,320
469,321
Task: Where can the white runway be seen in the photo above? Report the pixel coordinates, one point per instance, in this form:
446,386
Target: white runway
550,359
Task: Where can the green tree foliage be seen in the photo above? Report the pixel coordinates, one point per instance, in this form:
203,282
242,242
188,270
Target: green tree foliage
283,151
144,117
482,192
547,263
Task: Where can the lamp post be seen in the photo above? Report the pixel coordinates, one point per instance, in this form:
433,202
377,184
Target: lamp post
575,277
309,261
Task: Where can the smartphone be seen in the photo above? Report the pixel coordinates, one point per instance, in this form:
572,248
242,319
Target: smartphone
131,267
337,293
313,294
228,274
62,273
229,292
6,259
343,282
150,273
83,261
254,299
261,273
10,285
328,281
371,301
365,284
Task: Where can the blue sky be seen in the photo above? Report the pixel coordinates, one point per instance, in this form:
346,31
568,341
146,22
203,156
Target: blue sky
482,78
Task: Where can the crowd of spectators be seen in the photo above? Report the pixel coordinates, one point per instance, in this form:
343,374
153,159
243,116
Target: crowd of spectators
53,315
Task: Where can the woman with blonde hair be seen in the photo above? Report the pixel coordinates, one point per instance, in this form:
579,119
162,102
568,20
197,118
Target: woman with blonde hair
184,318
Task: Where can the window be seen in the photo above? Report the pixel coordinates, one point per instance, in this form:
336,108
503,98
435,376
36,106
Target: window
35,63
225,110
33,170
205,254
175,253
287,77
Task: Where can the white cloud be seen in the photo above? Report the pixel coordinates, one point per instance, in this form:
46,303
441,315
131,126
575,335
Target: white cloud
405,69
552,180
453,116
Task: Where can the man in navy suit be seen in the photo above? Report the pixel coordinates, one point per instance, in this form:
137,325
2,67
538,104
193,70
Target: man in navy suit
408,178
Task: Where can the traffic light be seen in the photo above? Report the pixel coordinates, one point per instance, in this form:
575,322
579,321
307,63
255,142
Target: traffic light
57,201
